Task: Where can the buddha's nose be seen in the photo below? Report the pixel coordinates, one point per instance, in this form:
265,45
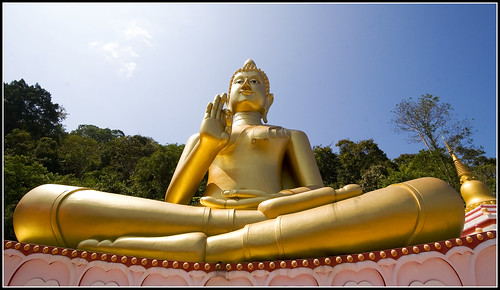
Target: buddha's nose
246,86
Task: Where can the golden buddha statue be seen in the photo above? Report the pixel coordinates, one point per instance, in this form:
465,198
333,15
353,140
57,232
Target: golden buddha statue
265,199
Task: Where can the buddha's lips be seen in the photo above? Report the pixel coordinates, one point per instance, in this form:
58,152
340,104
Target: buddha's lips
246,92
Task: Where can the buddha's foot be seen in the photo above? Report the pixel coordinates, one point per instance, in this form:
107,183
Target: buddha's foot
95,245
186,247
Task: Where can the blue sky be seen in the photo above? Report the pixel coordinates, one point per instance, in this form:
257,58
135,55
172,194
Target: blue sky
336,70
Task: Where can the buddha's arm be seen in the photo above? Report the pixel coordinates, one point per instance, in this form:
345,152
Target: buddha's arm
312,192
201,149
272,208
302,163
188,173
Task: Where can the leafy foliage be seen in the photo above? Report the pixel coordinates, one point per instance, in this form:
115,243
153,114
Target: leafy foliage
426,163
328,164
98,134
358,161
78,155
427,120
30,108
20,176
153,173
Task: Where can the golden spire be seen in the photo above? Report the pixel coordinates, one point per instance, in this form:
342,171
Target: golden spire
463,173
474,192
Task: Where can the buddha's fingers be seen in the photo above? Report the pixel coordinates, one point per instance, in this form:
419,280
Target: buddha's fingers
209,110
348,191
228,120
248,193
219,115
297,202
215,107
247,203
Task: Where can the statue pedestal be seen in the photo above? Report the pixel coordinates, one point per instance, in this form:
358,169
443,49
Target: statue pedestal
466,261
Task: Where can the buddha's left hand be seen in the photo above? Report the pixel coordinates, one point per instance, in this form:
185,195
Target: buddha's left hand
239,199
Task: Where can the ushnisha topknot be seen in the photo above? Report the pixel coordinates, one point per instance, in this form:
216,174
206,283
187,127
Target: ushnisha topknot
250,66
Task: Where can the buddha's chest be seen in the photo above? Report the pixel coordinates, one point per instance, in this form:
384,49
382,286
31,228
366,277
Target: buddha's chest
258,144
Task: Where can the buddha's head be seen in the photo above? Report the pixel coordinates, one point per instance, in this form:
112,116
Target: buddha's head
249,91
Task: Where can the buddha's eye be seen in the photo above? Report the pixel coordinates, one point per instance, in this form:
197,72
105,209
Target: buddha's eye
254,81
238,81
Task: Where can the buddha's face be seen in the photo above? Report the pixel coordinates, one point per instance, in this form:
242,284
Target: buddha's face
248,93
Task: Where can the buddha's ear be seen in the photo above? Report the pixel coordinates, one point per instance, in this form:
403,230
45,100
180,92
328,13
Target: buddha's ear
269,102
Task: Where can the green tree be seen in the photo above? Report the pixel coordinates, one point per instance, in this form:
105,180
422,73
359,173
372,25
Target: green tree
79,155
371,179
124,153
328,164
484,169
98,134
20,176
18,142
427,120
46,153
107,179
153,173
356,159
424,164
30,108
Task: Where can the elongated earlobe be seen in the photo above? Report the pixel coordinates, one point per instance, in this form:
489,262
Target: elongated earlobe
269,102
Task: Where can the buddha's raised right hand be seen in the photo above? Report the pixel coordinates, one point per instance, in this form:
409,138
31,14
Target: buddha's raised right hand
215,128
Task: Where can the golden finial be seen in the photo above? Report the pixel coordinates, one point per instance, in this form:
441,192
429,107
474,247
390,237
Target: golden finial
474,192
463,172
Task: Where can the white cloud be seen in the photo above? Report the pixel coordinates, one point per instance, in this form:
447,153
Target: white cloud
127,68
124,55
113,50
110,49
134,31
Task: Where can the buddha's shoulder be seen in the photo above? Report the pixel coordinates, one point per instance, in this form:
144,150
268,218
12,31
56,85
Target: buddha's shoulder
283,129
292,134
269,131
273,131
